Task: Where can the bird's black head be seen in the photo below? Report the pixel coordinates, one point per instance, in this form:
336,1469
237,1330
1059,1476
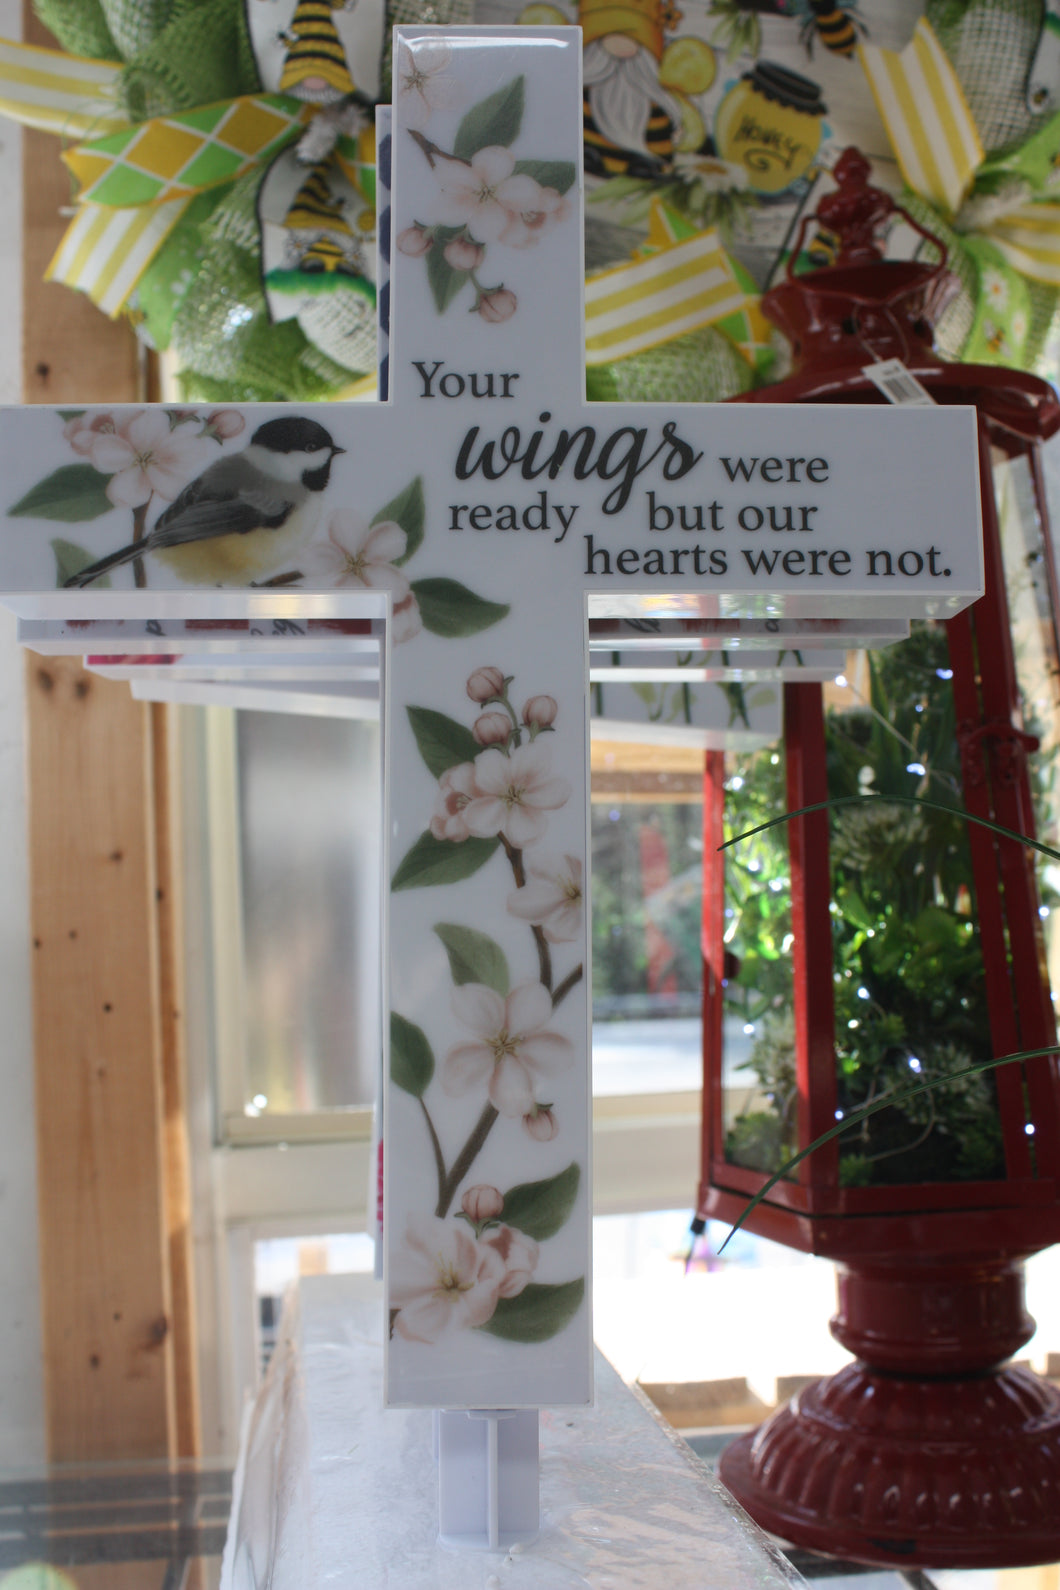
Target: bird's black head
293,435
299,435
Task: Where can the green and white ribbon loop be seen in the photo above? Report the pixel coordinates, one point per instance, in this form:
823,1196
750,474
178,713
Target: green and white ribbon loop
997,215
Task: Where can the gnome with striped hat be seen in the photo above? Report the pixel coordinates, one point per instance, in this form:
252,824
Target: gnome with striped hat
315,67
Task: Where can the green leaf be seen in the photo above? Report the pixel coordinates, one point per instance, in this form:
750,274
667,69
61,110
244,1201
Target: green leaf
75,493
540,1208
450,609
411,1060
474,957
433,861
495,120
444,281
443,743
70,560
558,174
408,510
537,1313
66,415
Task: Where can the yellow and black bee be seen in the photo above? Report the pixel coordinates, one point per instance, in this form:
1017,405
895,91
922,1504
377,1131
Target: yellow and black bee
835,22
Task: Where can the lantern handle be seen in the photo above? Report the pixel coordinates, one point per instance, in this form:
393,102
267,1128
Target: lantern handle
854,214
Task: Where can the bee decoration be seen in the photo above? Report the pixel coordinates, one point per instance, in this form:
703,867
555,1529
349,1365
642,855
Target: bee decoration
835,22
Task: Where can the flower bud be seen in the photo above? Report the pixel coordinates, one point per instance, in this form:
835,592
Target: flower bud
481,1203
414,241
492,728
463,254
541,1123
485,684
540,712
224,424
498,305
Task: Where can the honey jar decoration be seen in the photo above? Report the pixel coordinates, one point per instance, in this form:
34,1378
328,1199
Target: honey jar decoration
770,123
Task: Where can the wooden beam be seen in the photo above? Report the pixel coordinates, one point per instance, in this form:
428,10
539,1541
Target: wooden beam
108,1354
117,1308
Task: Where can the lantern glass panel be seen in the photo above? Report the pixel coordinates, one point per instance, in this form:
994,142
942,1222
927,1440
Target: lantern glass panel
1034,646
758,1030
910,991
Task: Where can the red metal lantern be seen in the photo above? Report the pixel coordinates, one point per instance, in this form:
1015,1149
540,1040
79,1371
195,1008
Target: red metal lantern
925,1451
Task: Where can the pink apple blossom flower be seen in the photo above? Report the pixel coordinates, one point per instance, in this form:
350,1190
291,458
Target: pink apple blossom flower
497,306
456,791
224,424
540,712
481,1203
145,457
85,429
513,793
406,619
422,82
359,555
485,684
485,193
492,728
529,225
463,255
513,1048
519,1253
415,242
443,1280
552,897
541,1123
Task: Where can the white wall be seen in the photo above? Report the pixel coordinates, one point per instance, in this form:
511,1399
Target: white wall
21,1389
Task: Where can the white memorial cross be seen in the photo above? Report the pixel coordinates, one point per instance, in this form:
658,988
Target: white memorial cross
485,511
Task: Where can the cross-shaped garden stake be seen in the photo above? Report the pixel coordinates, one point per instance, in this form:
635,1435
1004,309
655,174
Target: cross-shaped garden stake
484,511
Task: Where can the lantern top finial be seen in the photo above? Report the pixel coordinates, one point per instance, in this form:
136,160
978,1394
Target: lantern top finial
856,211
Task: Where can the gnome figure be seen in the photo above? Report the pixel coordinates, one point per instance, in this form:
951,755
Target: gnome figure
631,119
315,67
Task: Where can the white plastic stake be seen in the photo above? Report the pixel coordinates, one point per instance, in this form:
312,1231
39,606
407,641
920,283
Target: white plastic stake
488,1483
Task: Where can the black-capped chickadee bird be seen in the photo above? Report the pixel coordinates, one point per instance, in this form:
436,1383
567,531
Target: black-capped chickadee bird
246,515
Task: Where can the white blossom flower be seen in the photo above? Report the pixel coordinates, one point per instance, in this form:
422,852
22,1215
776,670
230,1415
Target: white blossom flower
406,620
528,225
513,1047
552,897
513,793
359,554
519,1254
485,195
456,791
84,430
423,84
995,288
144,456
443,1280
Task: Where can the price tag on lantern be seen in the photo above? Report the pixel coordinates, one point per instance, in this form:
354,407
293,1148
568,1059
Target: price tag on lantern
484,512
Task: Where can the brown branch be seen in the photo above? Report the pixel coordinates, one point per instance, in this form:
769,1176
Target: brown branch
544,958
570,981
139,522
465,1159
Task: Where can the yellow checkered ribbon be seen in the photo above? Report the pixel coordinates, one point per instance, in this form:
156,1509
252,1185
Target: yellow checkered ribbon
58,93
938,150
677,288
174,157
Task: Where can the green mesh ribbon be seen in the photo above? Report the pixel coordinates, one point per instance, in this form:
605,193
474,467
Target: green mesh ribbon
703,367
990,45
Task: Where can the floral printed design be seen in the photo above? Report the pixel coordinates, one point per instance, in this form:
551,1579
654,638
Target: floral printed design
487,196
423,82
513,1048
490,802
142,460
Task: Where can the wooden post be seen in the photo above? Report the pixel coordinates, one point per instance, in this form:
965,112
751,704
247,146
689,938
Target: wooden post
118,1339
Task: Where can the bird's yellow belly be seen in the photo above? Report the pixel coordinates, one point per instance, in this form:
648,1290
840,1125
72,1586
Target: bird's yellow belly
236,559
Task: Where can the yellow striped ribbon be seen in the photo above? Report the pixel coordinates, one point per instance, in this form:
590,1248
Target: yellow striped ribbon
59,93
1029,239
677,289
926,115
105,251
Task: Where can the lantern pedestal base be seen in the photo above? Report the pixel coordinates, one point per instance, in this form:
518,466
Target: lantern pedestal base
921,1472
